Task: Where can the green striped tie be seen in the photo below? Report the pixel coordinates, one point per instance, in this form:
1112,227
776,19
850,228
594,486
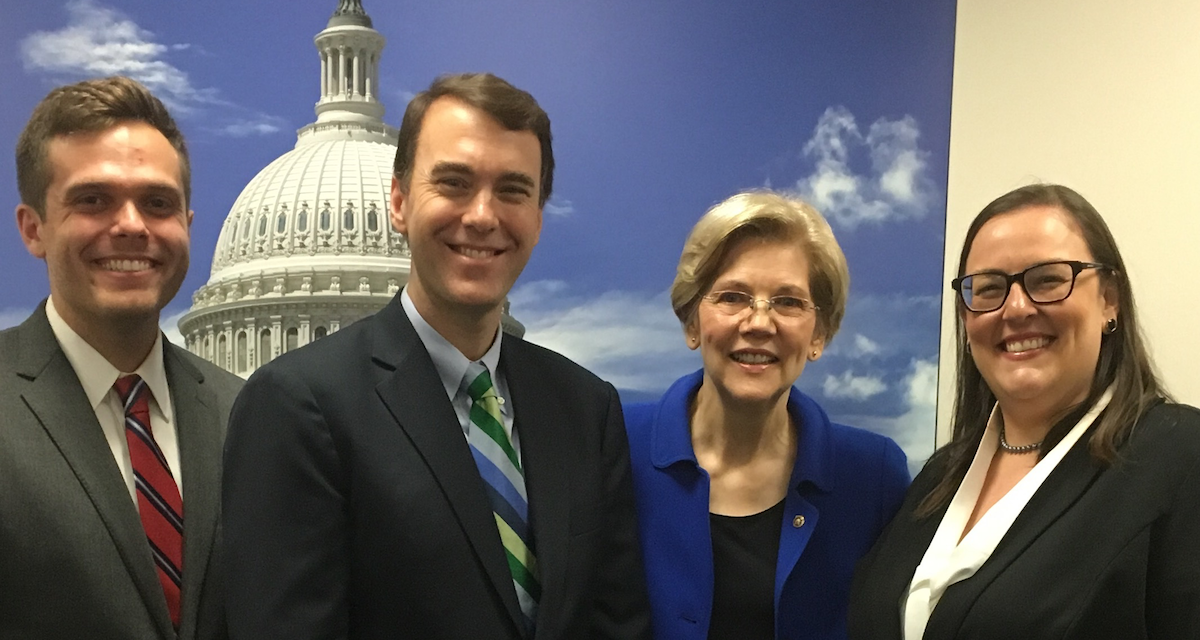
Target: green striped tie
504,481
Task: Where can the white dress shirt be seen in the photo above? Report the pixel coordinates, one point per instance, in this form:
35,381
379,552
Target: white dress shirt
451,367
97,376
949,560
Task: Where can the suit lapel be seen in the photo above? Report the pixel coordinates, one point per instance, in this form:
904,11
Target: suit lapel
905,549
414,395
200,457
59,404
539,425
1061,489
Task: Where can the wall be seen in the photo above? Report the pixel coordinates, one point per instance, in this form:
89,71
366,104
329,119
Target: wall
1103,96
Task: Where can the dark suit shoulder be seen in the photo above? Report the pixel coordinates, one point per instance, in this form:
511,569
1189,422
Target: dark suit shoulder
1164,444
220,381
555,365
333,356
1169,424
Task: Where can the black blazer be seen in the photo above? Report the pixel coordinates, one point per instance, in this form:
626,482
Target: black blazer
1098,552
74,559
354,508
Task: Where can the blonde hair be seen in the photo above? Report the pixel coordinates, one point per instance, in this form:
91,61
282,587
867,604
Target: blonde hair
768,216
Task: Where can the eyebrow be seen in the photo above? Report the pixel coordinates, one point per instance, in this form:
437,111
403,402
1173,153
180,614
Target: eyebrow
96,185
518,177
782,290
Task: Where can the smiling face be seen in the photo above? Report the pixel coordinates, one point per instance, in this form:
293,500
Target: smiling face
1040,357
470,212
116,226
757,355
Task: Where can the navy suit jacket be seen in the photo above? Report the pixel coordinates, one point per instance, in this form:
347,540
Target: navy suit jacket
846,484
1098,552
353,507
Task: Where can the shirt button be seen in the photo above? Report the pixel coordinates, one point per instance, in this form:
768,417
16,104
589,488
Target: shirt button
798,522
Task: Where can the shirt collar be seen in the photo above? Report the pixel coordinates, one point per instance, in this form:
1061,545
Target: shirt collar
97,375
450,363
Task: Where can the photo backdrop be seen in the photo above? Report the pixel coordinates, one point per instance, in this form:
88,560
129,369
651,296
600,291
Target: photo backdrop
659,109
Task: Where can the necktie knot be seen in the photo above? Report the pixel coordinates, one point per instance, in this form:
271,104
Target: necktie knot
127,387
478,382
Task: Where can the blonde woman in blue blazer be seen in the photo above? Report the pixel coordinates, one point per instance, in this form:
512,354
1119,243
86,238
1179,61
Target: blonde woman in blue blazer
753,507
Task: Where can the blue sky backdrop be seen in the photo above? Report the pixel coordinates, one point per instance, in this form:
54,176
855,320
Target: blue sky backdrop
659,110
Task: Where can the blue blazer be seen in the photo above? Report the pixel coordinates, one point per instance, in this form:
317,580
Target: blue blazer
846,486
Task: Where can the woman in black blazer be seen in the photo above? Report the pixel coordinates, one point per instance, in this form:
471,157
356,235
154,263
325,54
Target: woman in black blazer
1067,504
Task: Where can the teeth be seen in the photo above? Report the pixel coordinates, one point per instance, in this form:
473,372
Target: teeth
1020,346
475,253
126,265
753,358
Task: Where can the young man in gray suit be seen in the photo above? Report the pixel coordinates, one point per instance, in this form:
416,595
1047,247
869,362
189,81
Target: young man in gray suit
110,444
419,474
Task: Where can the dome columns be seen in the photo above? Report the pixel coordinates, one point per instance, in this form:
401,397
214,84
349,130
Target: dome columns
349,72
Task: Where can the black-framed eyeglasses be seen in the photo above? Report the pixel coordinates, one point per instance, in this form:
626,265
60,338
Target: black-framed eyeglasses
1043,283
734,302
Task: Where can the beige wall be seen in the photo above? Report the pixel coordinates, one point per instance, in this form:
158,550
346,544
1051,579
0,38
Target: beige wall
1102,96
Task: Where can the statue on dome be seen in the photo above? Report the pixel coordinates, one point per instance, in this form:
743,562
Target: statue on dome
349,6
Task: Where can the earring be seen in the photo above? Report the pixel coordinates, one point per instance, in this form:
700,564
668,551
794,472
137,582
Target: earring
1110,327
967,346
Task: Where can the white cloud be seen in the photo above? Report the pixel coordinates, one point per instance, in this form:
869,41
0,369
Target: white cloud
559,207
253,126
13,316
101,41
853,387
633,340
860,347
170,327
405,96
915,429
896,186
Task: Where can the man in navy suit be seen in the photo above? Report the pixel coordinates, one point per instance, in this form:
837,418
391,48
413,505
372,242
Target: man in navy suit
358,503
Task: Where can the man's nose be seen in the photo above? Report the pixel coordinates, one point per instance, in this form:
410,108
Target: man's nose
481,212
129,220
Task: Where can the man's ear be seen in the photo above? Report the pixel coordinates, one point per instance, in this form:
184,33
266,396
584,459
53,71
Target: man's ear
398,199
29,223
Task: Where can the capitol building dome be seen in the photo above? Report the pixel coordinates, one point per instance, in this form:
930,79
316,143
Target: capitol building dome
307,247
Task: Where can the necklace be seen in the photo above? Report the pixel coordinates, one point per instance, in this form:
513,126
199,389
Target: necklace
1025,448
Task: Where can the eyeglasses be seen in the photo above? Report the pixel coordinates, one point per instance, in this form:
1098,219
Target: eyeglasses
734,302
1043,283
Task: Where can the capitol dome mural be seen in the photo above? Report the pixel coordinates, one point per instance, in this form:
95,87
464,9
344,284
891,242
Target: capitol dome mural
307,247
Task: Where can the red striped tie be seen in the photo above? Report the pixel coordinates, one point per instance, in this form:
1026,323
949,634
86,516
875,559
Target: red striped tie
158,498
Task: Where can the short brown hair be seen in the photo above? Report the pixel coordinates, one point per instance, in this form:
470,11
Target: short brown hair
89,106
774,217
510,106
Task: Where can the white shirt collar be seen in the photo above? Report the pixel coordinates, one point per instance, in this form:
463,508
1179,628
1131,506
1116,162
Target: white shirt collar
97,375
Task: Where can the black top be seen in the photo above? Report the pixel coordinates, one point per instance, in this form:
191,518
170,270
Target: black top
745,550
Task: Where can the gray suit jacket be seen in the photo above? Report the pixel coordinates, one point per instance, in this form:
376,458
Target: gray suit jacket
74,560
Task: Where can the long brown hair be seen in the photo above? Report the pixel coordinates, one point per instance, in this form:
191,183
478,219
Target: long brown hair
1124,361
